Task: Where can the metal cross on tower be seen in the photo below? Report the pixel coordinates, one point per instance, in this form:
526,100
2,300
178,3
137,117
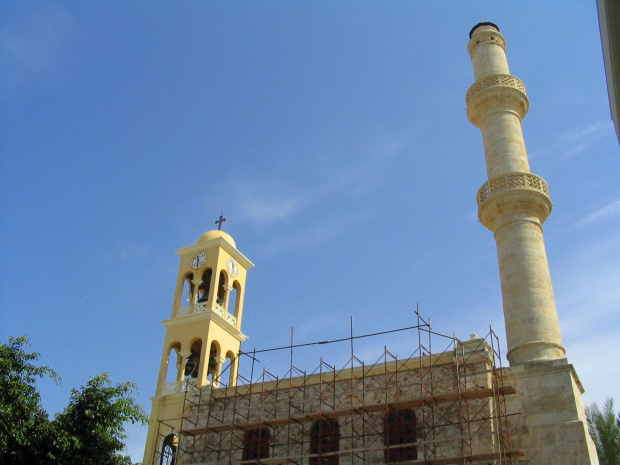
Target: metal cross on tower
220,221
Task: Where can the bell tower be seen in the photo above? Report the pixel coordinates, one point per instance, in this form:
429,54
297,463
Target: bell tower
203,334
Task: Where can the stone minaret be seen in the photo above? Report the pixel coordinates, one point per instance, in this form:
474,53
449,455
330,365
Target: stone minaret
514,203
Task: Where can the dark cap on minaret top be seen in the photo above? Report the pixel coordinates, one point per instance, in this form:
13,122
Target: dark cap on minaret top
480,25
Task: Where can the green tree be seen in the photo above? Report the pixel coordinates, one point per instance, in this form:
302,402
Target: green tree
88,431
604,427
25,432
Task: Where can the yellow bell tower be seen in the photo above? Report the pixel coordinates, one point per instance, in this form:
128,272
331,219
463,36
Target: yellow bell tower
203,334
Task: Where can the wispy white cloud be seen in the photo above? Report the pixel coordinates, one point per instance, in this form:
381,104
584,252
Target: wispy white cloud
317,234
358,173
574,142
578,141
277,199
266,203
607,212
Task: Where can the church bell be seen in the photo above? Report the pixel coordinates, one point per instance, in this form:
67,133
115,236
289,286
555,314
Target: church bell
190,366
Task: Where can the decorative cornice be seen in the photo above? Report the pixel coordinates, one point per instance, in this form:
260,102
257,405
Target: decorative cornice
207,315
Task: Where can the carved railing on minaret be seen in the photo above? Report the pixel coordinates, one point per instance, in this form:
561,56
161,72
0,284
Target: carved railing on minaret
513,203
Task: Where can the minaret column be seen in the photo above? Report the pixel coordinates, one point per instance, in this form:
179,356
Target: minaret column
514,203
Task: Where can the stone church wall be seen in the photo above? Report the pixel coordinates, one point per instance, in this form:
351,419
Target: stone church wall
448,425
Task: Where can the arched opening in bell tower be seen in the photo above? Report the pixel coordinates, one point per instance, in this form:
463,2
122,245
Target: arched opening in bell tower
192,364
205,286
213,369
222,289
233,299
173,363
187,294
229,368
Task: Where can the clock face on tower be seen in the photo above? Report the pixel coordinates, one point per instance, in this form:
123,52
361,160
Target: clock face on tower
198,260
232,266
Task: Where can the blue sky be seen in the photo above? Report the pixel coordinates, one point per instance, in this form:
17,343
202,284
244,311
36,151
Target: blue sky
332,135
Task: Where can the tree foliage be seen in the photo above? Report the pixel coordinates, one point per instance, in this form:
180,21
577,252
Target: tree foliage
88,431
604,427
25,434
91,426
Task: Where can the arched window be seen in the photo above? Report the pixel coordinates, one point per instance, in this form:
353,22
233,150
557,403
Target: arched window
174,363
214,356
222,289
187,294
256,444
325,439
192,364
233,299
229,368
169,450
399,429
205,286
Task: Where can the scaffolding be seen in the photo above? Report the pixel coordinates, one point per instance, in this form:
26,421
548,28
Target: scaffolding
455,387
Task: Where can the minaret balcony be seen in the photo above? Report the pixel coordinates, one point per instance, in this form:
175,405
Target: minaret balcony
496,93
201,308
510,194
494,80
511,181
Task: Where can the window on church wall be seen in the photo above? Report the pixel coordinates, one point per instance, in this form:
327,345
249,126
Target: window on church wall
222,289
325,439
173,364
205,286
256,444
169,450
400,429
187,293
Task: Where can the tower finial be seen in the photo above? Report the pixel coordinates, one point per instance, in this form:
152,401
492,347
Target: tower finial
220,221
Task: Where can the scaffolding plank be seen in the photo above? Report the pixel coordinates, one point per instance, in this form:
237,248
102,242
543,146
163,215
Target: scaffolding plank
439,461
466,458
469,395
